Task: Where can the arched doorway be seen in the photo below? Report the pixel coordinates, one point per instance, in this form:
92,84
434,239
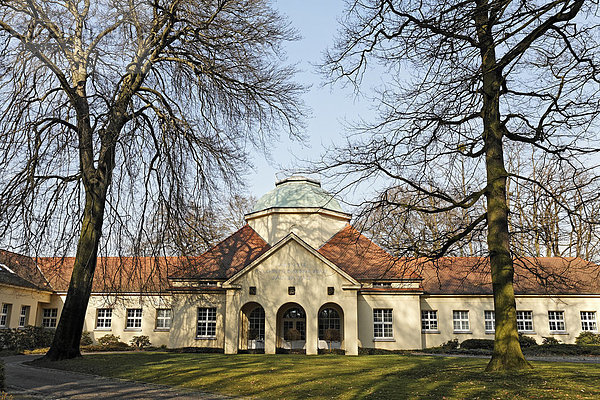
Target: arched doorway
331,323
291,327
252,335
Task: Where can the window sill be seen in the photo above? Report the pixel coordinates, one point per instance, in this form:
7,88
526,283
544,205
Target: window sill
463,332
132,330
434,332
527,332
490,332
206,338
162,329
384,339
559,333
103,329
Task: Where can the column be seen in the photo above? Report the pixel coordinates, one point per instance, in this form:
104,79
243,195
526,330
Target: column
312,332
231,325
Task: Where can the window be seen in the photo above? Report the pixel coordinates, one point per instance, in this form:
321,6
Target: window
489,318
24,316
257,324
588,321
294,324
329,325
134,318
382,284
330,290
429,321
49,317
556,320
5,315
525,321
291,290
382,323
461,321
252,290
103,318
207,322
163,318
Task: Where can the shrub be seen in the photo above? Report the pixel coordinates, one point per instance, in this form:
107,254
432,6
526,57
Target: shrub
86,339
588,338
450,345
487,344
28,338
140,342
526,341
109,340
550,341
2,382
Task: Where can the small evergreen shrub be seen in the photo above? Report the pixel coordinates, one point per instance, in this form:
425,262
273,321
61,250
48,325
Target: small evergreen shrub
28,338
109,340
140,342
487,344
588,338
86,339
550,341
526,341
450,345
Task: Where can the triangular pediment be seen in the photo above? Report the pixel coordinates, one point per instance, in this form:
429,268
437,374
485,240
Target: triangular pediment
293,256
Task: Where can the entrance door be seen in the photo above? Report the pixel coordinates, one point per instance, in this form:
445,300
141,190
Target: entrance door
294,328
256,329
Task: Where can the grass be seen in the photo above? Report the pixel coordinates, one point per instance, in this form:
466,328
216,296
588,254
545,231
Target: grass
342,377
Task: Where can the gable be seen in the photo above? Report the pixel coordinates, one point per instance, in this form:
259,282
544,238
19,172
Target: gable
293,262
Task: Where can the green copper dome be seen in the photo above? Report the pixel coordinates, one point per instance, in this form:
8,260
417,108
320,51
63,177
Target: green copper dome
297,192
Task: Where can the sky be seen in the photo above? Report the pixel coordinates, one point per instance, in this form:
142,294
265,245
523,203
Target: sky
317,23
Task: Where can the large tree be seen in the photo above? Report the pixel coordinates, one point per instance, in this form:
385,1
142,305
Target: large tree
114,110
461,82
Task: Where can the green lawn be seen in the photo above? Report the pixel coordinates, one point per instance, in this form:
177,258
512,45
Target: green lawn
330,376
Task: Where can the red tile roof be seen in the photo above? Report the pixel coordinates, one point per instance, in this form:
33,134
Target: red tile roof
24,271
226,258
533,275
362,259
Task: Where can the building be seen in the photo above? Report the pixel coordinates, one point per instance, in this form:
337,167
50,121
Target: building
299,276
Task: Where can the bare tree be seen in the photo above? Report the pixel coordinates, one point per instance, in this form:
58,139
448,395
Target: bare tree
114,110
462,80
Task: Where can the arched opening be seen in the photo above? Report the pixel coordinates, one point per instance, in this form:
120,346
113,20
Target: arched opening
331,324
252,335
291,327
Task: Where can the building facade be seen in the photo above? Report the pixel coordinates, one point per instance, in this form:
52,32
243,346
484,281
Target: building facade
298,276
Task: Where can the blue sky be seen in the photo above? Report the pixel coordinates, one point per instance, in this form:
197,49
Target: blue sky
317,23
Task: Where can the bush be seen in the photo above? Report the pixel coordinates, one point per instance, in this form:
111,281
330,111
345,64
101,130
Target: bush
588,338
28,338
450,345
563,350
119,346
549,340
526,341
86,339
2,382
109,340
140,342
487,344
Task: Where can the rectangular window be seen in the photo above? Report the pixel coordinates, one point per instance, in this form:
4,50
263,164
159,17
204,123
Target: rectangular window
525,321
49,317
134,318
489,318
207,322
429,321
24,316
588,321
5,315
382,323
104,318
460,321
163,318
556,320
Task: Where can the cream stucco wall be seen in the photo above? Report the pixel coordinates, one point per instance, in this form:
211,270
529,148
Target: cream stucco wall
18,297
406,321
315,228
477,305
292,265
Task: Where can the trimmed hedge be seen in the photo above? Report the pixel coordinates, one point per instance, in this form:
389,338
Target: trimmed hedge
487,344
28,338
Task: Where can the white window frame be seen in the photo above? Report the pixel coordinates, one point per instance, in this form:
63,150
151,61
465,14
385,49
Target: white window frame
49,317
489,321
206,324
429,321
5,315
525,318
383,323
134,319
460,321
24,316
588,321
163,319
556,321
104,319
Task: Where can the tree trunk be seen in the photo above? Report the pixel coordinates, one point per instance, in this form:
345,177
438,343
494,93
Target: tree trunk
68,332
